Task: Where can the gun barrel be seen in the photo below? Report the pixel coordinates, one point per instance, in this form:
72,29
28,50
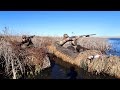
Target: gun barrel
87,35
31,36
92,34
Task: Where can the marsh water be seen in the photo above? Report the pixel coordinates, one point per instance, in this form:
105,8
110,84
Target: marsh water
115,42
57,71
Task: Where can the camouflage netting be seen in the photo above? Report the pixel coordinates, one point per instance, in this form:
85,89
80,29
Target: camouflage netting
15,60
105,64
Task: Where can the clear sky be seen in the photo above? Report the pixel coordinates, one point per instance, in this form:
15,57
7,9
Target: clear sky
52,23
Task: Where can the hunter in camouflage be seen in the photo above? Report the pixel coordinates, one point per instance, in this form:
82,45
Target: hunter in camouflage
73,41
66,39
26,41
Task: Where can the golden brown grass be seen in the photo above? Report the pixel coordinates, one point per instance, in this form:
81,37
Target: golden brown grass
94,43
109,65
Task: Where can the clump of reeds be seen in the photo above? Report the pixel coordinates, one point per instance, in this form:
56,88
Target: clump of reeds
94,43
17,61
11,62
109,65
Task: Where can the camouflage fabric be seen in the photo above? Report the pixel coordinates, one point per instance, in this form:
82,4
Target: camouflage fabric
26,41
66,39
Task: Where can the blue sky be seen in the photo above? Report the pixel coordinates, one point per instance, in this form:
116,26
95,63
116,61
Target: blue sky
56,23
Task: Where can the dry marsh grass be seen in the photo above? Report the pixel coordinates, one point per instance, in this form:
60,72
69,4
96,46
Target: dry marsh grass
92,43
16,59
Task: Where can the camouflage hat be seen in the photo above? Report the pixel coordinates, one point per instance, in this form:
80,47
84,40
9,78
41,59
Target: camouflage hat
65,36
24,36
